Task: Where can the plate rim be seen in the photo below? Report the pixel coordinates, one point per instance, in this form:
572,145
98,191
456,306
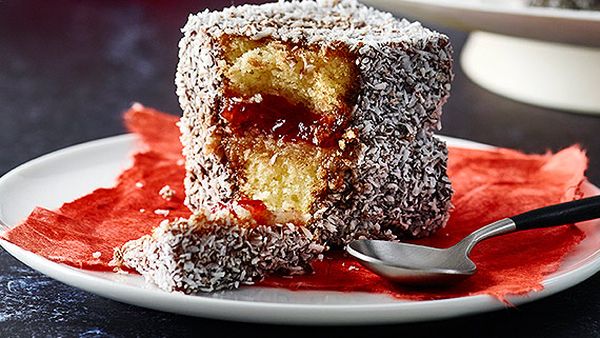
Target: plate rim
304,313
524,11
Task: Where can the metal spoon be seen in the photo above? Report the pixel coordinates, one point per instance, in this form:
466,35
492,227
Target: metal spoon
416,264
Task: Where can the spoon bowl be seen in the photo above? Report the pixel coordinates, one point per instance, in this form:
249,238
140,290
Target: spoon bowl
421,265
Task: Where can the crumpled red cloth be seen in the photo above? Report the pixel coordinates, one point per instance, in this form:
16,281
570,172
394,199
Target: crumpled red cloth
489,185
107,218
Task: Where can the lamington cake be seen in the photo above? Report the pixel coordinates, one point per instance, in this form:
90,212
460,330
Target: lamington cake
314,116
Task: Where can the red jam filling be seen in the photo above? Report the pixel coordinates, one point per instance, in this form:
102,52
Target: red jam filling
257,209
276,116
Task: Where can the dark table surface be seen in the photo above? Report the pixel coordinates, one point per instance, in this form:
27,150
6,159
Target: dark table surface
67,71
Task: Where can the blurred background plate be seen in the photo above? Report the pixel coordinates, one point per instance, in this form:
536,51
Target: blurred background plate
542,56
506,17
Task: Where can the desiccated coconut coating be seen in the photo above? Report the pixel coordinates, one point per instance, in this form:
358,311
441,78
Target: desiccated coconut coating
395,184
404,191
215,251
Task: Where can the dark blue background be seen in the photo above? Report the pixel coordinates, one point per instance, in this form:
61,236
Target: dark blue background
67,71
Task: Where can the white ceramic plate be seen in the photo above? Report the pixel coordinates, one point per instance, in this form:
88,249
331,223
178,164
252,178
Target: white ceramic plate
507,17
72,172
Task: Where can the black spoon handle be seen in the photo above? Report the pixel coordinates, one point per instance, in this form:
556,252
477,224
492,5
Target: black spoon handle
565,213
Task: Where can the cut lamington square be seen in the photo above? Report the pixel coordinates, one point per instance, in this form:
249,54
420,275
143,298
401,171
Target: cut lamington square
220,249
318,114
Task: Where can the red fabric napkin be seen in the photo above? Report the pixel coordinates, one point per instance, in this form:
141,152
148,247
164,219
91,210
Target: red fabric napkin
488,185
107,218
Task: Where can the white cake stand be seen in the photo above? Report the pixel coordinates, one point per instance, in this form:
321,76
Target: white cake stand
542,56
546,74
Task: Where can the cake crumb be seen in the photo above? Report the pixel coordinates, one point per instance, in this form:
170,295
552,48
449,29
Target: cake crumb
273,159
139,185
166,192
162,212
117,258
180,162
257,98
352,267
137,106
96,254
142,210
